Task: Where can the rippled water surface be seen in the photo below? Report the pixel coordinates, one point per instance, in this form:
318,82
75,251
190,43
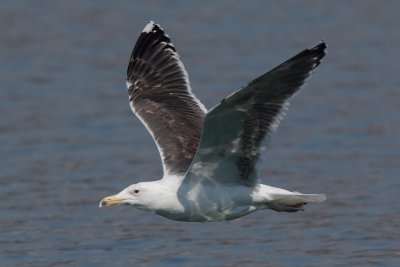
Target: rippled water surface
68,137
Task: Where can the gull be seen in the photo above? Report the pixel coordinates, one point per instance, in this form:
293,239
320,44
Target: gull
209,157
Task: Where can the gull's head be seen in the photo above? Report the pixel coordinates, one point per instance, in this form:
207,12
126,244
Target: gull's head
132,195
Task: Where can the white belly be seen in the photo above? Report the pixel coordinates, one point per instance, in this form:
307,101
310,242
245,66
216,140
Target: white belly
212,203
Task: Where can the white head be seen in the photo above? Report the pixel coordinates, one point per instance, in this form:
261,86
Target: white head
138,195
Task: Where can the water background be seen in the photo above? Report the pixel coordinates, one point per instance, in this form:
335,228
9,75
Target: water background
68,137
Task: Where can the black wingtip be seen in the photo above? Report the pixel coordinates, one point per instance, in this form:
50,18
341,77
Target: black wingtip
151,26
312,55
154,32
318,51
321,46
151,36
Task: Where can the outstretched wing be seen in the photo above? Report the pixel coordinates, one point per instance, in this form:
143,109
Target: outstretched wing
161,97
233,131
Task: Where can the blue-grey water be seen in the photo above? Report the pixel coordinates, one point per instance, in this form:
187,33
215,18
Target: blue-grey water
68,137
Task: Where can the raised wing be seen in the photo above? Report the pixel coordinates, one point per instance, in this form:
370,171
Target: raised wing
233,131
161,97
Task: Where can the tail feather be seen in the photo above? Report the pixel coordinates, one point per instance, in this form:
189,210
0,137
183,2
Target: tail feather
294,201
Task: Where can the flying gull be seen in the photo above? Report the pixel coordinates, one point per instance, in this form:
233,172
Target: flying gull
208,157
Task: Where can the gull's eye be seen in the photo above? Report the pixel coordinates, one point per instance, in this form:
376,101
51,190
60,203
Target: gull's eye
136,191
